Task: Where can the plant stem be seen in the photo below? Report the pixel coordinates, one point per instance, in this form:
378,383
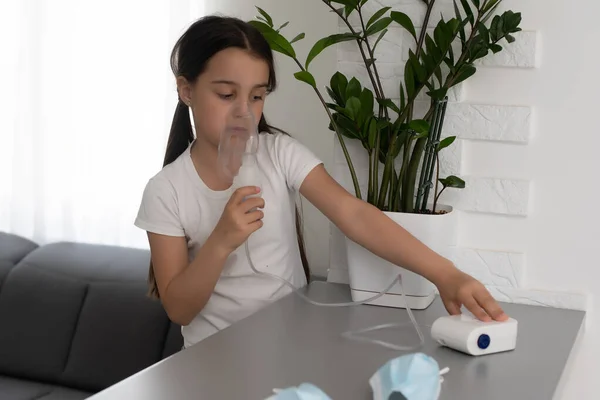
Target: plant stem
370,190
374,166
437,179
393,191
438,121
404,168
419,48
358,41
373,64
411,176
340,138
424,29
385,182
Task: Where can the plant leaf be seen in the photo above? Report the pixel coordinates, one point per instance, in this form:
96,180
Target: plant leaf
347,126
453,181
402,98
348,10
378,26
372,132
297,38
275,39
352,3
266,16
432,49
338,84
496,48
463,34
283,26
390,104
446,142
468,11
420,71
419,126
353,107
409,80
484,32
377,15
367,104
322,44
353,89
441,38
404,21
490,5
381,35
438,94
464,73
306,77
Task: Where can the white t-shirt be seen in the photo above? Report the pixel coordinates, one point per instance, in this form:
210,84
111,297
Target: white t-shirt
176,202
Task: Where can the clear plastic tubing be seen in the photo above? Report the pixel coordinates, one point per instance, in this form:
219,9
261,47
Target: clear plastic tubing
353,334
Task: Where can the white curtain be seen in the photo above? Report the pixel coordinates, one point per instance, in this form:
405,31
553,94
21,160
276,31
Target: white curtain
86,102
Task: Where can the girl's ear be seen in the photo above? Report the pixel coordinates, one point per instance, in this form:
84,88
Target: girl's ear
184,89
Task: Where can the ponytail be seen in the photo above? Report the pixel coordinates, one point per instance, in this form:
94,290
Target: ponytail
181,134
180,137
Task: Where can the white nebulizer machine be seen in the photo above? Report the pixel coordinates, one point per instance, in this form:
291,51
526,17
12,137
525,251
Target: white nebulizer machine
237,157
474,337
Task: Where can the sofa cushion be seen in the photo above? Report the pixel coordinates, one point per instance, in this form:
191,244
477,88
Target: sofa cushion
77,315
19,389
13,249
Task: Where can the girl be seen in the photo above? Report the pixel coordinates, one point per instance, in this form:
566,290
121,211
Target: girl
197,223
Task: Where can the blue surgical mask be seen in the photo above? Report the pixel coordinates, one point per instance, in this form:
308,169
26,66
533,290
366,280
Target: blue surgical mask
416,376
305,391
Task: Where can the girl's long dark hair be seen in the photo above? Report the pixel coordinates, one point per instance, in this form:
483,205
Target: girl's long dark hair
202,40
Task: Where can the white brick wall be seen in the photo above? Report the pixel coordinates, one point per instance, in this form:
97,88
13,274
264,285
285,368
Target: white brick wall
495,196
495,268
523,53
502,270
488,122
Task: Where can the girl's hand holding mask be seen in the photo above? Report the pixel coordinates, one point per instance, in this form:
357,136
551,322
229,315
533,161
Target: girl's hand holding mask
241,217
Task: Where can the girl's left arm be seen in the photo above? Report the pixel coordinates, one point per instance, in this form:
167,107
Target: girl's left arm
366,225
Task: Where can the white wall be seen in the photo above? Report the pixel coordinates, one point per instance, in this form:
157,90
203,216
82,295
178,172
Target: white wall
530,136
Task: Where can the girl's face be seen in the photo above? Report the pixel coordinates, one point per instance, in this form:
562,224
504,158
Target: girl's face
233,78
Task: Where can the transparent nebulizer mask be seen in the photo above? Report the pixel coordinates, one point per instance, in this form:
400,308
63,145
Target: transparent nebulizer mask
237,157
238,147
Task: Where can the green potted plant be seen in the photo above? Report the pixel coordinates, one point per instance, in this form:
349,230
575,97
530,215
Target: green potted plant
403,147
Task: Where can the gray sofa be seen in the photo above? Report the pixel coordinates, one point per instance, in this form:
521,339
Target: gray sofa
75,319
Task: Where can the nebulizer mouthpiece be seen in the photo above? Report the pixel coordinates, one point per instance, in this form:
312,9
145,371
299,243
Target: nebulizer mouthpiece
237,157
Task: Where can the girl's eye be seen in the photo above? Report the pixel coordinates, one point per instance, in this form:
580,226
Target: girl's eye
225,96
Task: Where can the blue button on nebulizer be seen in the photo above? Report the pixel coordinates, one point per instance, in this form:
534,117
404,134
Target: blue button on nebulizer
483,341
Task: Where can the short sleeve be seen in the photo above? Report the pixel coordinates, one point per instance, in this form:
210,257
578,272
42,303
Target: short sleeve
294,159
158,212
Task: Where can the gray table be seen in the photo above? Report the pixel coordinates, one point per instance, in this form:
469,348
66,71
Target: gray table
291,342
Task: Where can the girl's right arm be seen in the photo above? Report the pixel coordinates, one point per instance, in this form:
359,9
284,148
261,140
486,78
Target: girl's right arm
185,287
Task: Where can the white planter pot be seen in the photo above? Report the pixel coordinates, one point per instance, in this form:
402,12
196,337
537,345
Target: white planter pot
370,274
